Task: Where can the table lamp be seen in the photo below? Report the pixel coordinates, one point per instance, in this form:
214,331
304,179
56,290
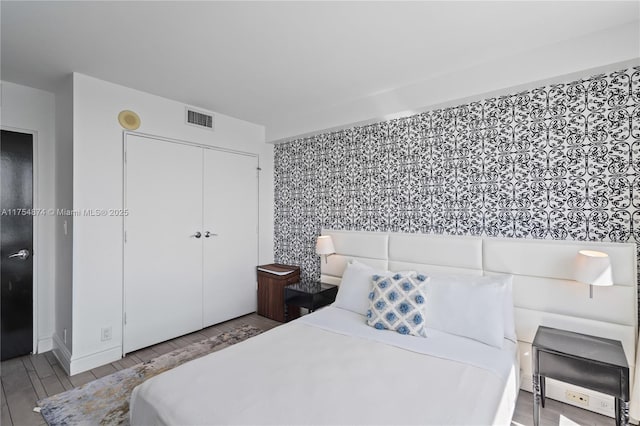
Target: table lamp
324,246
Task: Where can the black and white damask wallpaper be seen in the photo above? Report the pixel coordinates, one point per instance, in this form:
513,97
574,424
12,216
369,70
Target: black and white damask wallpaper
556,162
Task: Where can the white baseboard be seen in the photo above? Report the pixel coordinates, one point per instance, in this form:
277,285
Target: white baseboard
62,353
87,362
45,344
73,365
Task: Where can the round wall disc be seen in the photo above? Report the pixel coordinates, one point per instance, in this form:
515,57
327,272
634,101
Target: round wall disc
129,120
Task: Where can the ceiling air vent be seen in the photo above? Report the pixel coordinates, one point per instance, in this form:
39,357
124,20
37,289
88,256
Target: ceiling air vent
199,118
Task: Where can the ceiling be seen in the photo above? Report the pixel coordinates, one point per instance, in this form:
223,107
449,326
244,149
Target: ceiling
274,63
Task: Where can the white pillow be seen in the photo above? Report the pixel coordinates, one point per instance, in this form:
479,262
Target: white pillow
353,292
509,318
469,306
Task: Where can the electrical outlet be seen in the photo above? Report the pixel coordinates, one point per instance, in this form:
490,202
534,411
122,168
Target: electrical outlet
106,334
577,397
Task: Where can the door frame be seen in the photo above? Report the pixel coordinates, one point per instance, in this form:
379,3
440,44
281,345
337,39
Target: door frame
36,227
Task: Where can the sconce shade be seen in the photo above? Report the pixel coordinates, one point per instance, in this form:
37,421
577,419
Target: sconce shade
593,267
324,245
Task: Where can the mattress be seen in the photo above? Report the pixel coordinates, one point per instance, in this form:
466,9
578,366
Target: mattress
329,367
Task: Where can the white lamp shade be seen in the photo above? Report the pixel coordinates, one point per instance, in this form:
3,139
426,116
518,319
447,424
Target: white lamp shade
324,245
593,267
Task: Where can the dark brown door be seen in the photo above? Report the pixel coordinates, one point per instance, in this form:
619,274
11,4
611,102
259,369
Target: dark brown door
16,244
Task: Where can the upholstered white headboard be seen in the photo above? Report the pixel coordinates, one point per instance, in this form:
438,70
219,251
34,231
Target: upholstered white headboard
544,292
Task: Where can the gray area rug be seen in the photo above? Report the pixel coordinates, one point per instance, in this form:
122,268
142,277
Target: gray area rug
106,400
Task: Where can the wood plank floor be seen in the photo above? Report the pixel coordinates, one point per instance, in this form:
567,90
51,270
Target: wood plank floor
27,379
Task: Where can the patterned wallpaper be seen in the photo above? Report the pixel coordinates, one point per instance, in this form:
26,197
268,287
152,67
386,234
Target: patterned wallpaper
556,162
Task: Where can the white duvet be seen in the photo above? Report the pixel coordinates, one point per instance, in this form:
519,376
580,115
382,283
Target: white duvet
331,368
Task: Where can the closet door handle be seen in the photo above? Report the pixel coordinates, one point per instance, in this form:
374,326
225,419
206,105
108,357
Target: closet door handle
208,234
197,234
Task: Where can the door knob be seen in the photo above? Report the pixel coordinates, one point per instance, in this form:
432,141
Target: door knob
197,234
22,254
208,234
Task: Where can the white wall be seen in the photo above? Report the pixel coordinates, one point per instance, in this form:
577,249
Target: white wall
98,184
33,111
64,224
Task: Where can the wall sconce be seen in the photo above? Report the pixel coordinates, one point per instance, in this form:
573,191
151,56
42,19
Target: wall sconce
593,268
324,246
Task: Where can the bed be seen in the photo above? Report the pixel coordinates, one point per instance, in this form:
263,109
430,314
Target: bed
330,367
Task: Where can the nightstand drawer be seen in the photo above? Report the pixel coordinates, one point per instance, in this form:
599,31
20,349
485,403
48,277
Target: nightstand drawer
580,372
310,301
311,295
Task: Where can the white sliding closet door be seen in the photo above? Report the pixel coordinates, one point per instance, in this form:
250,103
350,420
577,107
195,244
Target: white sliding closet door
162,257
231,252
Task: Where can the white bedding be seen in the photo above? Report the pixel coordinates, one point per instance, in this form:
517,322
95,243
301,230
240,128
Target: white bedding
331,368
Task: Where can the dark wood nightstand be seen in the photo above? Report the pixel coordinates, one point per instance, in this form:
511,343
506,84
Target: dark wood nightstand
311,295
591,362
272,280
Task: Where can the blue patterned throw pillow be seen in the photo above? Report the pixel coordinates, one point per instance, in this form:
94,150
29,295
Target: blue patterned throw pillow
397,303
